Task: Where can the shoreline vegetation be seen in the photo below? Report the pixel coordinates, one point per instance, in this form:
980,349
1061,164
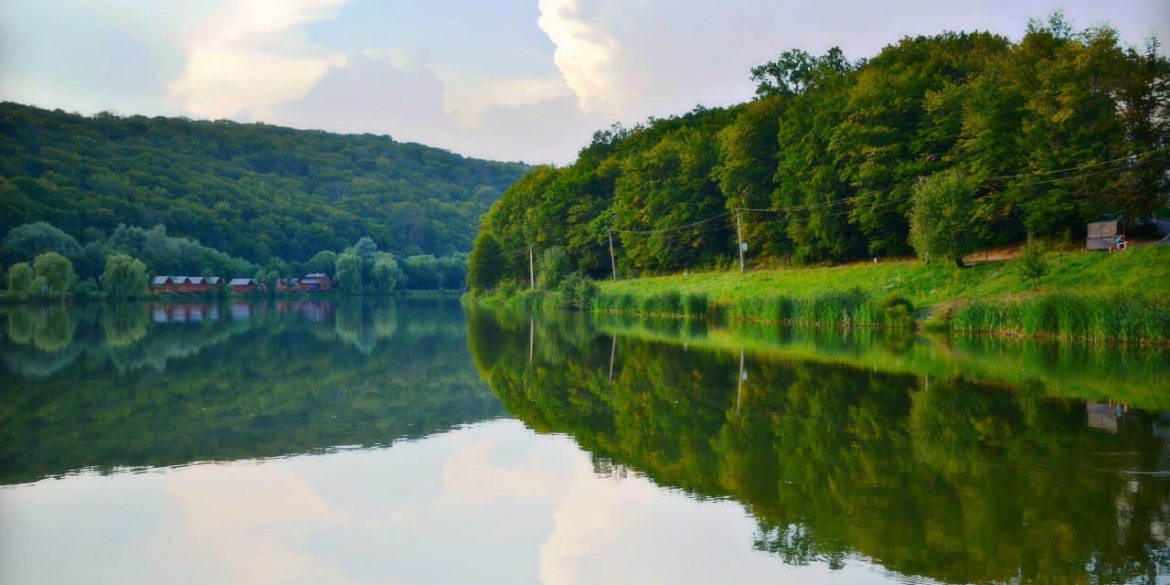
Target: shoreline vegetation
1092,297
838,171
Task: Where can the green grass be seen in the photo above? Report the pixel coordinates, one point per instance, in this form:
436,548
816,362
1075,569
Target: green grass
1073,301
1142,271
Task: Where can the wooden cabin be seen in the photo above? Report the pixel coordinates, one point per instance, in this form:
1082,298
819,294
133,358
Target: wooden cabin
316,282
243,286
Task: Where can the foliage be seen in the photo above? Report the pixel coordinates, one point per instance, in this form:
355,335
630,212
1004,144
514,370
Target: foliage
322,262
1047,133
20,277
485,264
1141,276
552,268
349,273
57,271
941,216
386,272
252,191
124,278
1115,317
1031,263
26,242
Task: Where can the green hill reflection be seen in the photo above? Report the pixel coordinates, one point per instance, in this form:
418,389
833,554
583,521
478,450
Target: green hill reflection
131,386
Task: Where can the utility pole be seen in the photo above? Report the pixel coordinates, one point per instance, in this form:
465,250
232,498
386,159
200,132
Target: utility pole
742,377
739,236
531,274
612,262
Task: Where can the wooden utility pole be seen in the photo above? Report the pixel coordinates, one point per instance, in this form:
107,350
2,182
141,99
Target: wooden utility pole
742,377
739,236
612,262
612,353
531,273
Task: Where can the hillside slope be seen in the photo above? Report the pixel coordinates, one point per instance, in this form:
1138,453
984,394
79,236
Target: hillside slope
251,190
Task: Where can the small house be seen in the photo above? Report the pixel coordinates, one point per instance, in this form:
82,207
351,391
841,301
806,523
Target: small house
196,284
316,282
243,286
161,284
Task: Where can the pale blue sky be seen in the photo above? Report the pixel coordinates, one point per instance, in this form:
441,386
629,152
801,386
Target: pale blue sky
505,79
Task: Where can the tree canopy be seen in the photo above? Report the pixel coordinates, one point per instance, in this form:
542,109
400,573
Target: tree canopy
1050,132
252,191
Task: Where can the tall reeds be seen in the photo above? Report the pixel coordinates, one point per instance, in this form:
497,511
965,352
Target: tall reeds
1113,318
846,309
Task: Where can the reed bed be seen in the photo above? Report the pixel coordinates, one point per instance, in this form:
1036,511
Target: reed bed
1119,318
846,309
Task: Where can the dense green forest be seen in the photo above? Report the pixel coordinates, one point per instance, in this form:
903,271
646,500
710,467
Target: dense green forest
973,138
954,478
251,191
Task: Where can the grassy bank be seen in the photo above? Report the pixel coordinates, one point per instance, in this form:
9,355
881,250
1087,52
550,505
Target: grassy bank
1097,296
1092,296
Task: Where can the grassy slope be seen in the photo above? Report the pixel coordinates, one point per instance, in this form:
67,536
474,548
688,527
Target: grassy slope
1142,271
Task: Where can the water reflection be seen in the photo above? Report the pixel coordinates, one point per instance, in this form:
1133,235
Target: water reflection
932,468
137,385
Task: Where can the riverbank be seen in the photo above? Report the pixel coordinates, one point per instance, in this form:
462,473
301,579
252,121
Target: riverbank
1097,296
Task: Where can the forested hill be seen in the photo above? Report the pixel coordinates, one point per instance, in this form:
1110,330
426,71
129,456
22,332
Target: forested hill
251,190
935,146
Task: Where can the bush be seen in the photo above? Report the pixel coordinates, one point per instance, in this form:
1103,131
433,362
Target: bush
1032,264
577,291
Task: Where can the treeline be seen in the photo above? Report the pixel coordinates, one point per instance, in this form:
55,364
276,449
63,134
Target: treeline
40,261
252,191
834,159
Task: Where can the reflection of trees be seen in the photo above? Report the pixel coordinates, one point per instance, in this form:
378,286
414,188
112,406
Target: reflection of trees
238,389
22,324
956,480
124,324
56,332
362,322
47,328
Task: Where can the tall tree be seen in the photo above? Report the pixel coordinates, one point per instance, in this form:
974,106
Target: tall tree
349,273
485,264
57,271
123,278
942,210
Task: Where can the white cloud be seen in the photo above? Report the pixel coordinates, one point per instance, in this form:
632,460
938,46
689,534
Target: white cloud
250,56
469,96
588,55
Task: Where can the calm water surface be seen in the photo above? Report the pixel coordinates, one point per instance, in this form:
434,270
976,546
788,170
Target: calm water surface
412,442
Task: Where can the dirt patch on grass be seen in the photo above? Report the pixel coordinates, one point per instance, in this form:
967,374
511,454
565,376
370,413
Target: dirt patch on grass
993,255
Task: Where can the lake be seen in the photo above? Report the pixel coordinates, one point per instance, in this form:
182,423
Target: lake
374,441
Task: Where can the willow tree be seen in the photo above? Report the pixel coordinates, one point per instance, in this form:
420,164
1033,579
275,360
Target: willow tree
942,208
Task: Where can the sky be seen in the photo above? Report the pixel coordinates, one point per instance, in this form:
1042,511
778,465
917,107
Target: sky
528,80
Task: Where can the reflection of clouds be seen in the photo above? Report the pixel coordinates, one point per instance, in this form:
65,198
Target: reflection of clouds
250,524
631,531
472,476
492,503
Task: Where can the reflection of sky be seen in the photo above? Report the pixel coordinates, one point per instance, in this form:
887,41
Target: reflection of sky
493,503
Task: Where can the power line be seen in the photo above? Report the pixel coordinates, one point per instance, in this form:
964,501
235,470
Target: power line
673,229
1127,158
